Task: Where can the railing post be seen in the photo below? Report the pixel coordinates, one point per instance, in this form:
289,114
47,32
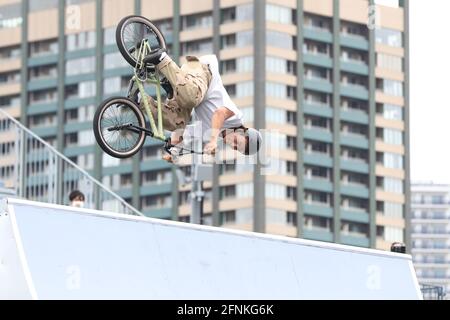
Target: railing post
59,181
21,163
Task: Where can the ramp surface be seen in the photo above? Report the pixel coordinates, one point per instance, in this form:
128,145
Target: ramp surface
58,252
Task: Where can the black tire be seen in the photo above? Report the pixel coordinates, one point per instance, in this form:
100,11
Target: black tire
135,116
149,29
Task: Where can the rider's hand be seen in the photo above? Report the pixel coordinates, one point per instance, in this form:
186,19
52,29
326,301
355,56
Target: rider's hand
168,158
211,147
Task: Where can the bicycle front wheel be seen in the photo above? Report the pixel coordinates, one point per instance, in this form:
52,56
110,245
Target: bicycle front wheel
113,127
130,32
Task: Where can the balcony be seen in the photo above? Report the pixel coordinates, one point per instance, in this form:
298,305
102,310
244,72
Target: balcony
318,184
42,83
318,84
317,109
356,91
354,164
159,213
316,33
317,59
355,190
355,239
354,66
320,209
151,190
354,140
318,158
357,116
318,234
355,215
317,133
44,59
354,41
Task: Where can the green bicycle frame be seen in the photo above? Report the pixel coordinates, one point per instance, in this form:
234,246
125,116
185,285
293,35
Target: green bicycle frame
153,78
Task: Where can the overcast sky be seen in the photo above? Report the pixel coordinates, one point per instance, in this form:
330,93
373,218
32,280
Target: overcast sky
430,90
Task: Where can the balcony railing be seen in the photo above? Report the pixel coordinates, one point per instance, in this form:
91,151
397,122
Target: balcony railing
41,173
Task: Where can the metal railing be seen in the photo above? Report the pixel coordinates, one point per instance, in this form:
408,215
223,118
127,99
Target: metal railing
432,292
35,170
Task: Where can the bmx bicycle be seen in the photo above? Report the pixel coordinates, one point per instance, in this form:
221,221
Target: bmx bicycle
119,123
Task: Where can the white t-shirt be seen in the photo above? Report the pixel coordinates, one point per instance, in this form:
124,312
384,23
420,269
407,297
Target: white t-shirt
216,97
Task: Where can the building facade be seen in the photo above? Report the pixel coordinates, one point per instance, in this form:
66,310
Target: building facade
327,79
430,233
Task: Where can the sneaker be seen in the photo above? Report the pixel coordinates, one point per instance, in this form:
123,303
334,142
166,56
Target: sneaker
155,56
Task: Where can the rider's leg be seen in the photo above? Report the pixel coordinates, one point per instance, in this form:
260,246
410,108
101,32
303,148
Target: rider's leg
174,117
190,82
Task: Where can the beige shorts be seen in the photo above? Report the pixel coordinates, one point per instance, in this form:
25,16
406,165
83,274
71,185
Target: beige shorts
189,83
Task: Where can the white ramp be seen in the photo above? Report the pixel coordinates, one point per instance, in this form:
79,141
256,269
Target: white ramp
57,252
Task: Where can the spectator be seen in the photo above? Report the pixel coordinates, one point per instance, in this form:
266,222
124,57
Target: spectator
76,199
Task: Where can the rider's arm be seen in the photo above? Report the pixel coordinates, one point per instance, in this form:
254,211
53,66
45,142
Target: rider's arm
218,118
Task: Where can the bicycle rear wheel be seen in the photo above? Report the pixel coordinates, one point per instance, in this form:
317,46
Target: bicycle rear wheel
112,121
130,32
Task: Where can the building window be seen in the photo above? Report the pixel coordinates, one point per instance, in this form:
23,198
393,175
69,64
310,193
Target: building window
393,160
391,87
244,89
9,77
291,193
43,72
316,48
388,37
276,90
80,66
354,29
317,223
280,40
392,136
244,190
291,218
11,16
319,23
84,89
82,40
109,36
242,12
275,216
316,147
227,192
393,234
247,114
394,210
202,20
279,14
42,48
276,115
354,56
390,111
228,217
43,96
10,101
114,60
38,5
276,65
10,52
275,191
42,120
197,47
354,229
387,61
393,185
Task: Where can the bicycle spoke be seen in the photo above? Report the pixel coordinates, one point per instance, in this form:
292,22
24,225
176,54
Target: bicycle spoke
118,114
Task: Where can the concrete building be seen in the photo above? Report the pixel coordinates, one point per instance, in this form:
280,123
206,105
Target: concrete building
335,91
430,233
